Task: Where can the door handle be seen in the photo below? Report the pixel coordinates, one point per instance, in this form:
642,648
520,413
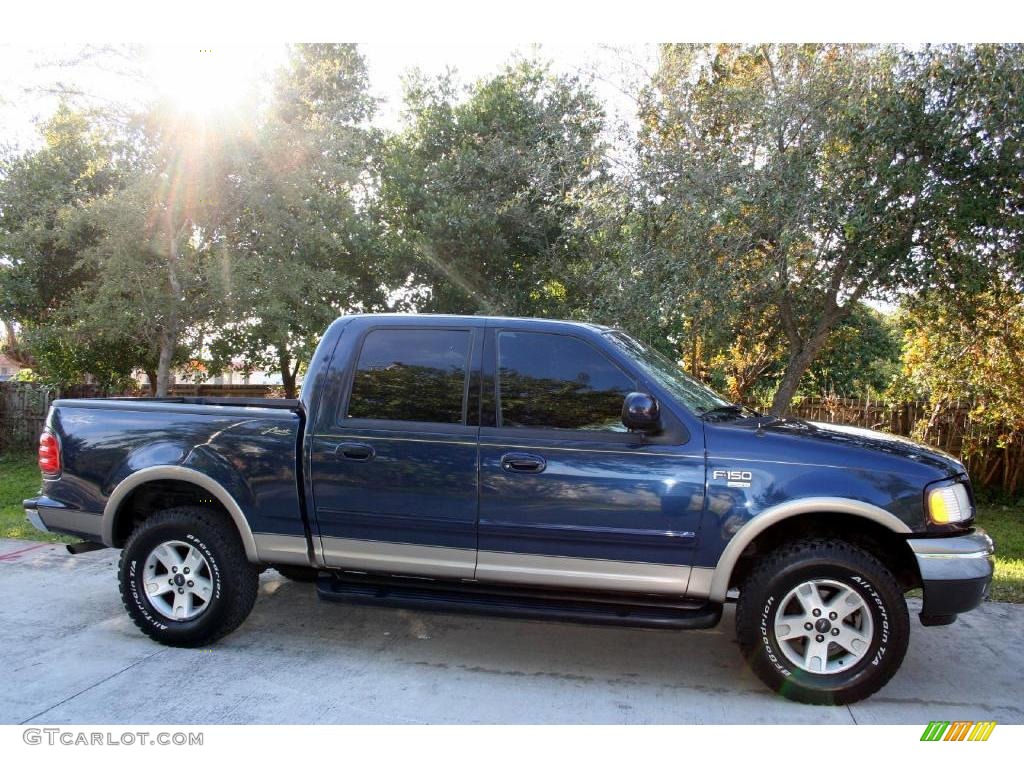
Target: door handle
523,462
355,451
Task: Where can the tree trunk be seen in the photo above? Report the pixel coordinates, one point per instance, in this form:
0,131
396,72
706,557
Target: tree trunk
163,369
169,333
9,335
288,374
151,377
799,361
12,346
695,356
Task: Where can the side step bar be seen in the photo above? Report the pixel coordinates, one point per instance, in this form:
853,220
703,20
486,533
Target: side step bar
471,597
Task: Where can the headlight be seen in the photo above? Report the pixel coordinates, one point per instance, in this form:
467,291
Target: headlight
949,504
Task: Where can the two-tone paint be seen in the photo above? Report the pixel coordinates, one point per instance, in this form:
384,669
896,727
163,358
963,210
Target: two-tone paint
669,513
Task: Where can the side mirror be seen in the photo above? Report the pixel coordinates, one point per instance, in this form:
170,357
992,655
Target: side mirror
640,412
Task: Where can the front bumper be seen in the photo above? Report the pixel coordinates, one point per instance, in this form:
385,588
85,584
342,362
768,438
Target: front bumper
955,574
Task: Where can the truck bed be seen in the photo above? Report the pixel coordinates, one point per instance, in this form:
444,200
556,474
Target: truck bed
248,446
243,402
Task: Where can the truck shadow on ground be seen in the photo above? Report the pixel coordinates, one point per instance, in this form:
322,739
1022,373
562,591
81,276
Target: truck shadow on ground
291,617
700,667
76,657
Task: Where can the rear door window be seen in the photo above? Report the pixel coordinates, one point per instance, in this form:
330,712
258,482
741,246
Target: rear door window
411,374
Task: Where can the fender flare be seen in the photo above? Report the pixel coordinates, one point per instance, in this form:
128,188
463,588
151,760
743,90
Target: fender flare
184,474
752,528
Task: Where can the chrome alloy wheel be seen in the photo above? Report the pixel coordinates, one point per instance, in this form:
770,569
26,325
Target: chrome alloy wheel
823,626
178,581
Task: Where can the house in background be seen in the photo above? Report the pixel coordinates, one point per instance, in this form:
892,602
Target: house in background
8,367
190,375
229,378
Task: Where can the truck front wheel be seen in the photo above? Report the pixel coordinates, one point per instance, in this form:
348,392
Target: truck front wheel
185,579
822,622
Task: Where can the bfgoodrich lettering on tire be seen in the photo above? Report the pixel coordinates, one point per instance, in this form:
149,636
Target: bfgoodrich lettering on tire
822,622
184,577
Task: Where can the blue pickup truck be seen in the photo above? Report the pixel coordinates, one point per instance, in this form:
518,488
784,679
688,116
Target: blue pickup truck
525,468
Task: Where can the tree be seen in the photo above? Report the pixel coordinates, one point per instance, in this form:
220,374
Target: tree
297,251
970,350
802,179
158,235
861,356
972,137
482,199
41,238
146,286
66,354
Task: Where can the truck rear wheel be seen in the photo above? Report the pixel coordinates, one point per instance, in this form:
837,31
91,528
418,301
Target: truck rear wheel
184,577
822,622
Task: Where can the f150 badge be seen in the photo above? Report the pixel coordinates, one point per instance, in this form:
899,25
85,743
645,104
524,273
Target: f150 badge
736,478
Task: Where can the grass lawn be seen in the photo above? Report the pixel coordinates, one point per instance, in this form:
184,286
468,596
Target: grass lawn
1004,521
19,479
1002,518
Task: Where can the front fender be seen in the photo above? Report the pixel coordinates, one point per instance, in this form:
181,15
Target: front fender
769,517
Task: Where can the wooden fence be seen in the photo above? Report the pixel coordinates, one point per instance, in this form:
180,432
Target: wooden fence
23,410
993,460
227,390
23,407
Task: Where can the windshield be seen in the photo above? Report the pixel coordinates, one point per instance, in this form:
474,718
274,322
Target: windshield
694,395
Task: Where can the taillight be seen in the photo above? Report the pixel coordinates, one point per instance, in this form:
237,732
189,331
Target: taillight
49,454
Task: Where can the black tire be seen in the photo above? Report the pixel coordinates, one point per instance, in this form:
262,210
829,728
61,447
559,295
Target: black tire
298,573
235,580
769,583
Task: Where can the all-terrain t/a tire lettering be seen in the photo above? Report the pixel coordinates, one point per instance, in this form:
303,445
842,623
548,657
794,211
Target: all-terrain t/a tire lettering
822,622
213,541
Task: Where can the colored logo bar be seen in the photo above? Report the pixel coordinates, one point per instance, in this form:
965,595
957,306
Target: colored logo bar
958,730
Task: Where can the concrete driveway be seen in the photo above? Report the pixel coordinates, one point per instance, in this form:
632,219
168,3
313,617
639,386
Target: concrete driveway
73,656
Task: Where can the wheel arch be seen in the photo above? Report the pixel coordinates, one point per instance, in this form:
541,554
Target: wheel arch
124,490
849,508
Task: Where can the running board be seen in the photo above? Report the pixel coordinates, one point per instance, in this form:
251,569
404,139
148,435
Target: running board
472,597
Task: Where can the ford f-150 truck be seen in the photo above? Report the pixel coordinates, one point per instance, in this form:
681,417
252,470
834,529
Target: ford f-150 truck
528,468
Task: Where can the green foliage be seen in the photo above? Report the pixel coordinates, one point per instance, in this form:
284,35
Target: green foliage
150,284
972,138
770,191
969,349
41,238
782,184
65,355
861,356
779,190
481,201
296,252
